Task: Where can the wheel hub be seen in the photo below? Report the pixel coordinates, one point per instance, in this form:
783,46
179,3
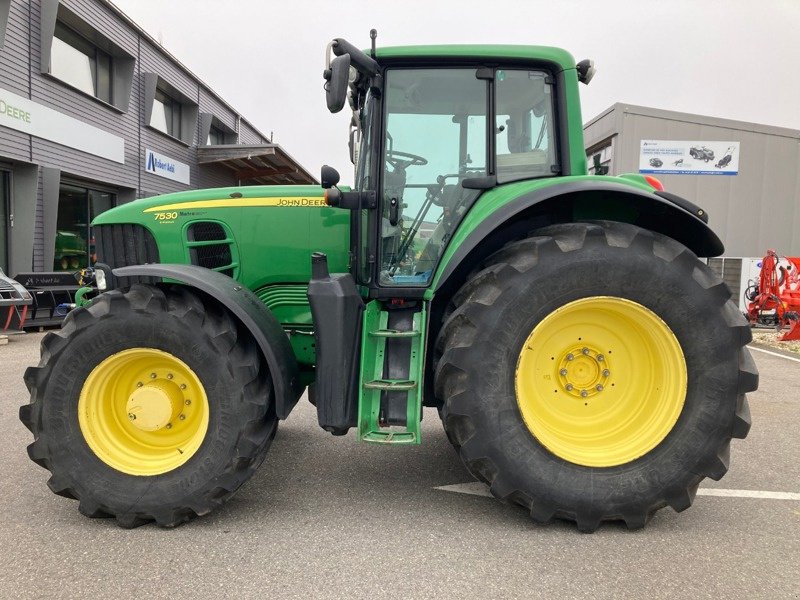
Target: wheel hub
583,372
154,405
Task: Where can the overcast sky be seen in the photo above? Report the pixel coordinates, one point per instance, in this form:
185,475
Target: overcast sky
735,59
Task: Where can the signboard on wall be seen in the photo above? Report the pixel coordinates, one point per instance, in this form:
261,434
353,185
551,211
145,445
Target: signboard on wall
167,167
689,158
41,121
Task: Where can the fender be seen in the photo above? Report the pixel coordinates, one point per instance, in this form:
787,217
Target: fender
250,311
592,199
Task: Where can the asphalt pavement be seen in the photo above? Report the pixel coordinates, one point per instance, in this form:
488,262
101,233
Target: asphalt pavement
327,517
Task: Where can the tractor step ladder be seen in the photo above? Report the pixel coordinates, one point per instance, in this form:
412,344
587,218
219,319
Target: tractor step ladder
374,386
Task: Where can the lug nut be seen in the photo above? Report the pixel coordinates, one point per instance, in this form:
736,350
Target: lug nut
169,425
606,372
183,386
599,387
584,393
152,375
600,358
132,416
569,387
570,356
563,372
139,384
169,375
187,402
182,417
585,351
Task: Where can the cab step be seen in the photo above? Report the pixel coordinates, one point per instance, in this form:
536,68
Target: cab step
394,333
391,437
391,384
392,363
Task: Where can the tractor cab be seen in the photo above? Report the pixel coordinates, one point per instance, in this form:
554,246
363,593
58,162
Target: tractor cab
428,137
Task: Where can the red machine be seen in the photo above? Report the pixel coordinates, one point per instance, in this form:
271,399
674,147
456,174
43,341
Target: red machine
14,297
776,298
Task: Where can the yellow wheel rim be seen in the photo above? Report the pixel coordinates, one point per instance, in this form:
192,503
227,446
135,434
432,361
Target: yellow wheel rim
143,411
601,381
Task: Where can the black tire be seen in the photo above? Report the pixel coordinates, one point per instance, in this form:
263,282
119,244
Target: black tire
242,420
524,282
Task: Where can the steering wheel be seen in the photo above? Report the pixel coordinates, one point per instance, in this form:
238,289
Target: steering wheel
401,160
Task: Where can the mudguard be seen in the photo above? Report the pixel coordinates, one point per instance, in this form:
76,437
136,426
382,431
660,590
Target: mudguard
250,311
588,199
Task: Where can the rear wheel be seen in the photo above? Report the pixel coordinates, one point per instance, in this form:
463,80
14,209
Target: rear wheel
595,372
149,405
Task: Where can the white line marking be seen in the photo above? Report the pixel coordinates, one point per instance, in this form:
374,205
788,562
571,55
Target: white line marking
476,488
774,354
748,494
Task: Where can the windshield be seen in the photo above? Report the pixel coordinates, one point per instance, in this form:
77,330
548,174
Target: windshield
435,138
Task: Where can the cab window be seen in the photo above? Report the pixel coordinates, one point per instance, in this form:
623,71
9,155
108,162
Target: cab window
524,129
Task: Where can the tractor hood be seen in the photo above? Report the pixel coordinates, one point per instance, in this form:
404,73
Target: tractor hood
230,197
260,235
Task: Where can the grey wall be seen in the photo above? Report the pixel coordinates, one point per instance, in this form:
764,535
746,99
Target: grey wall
23,194
755,210
24,72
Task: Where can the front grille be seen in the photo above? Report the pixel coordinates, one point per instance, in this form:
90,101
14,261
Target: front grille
212,257
206,232
124,245
209,255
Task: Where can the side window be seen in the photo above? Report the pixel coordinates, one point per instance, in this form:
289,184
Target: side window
525,130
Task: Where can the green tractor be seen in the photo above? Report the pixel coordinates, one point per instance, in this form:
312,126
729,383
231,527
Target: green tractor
585,363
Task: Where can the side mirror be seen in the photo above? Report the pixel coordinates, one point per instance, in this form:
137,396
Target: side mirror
336,82
329,177
586,71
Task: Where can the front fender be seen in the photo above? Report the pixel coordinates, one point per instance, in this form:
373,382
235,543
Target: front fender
250,311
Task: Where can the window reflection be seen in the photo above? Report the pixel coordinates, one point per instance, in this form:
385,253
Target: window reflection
216,136
166,115
74,243
76,61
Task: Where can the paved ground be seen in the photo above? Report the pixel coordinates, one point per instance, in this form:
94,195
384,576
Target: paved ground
326,517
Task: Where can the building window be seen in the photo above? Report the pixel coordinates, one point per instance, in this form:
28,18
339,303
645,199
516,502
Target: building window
76,61
216,137
74,243
166,116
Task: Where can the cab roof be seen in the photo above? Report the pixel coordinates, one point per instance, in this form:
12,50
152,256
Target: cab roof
493,52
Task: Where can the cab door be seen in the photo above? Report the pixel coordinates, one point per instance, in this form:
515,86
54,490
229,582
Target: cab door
434,138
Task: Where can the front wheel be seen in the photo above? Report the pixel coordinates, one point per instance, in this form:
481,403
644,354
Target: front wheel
149,405
595,372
